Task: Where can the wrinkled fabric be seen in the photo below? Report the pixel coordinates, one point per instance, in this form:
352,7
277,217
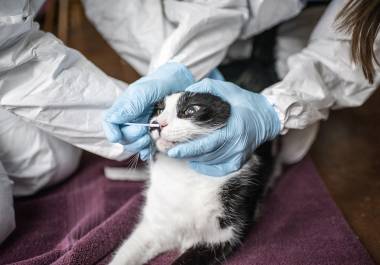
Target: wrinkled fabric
321,77
299,223
52,86
199,34
292,37
195,33
32,158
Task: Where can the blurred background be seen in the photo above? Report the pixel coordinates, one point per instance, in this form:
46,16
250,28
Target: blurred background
346,152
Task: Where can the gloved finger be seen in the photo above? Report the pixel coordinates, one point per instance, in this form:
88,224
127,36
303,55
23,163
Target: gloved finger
144,154
207,85
218,155
142,94
112,132
138,145
215,170
126,108
132,133
222,89
167,79
199,146
175,76
216,75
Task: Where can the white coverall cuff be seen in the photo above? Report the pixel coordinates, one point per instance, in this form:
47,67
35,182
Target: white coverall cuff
281,115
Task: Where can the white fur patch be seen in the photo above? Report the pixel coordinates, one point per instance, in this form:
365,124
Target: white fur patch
123,173
182,209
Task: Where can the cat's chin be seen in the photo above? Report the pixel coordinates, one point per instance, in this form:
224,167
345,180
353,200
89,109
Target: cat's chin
163,145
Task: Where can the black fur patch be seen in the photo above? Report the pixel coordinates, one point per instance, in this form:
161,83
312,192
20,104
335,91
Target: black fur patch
158,107
241,196
205,254
204,109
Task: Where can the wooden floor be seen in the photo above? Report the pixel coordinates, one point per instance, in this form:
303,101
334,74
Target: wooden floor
347,156
346,153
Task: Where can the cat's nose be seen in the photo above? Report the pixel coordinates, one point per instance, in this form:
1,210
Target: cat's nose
163,124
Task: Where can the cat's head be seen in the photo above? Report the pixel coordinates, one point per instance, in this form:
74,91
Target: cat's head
186,116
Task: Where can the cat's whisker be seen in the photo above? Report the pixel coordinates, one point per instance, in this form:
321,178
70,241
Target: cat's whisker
133,161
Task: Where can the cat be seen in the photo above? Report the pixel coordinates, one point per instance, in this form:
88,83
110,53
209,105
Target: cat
205,218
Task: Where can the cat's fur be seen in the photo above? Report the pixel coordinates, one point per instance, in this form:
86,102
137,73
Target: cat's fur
205,218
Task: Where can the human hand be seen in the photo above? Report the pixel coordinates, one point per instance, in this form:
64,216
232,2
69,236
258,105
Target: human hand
136,105
253,121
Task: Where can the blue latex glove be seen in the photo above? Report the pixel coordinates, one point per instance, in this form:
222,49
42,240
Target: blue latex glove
136,105
216,75
253,121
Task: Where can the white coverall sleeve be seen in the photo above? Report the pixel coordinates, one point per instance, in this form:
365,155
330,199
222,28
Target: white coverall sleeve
321,77
52,86
197,33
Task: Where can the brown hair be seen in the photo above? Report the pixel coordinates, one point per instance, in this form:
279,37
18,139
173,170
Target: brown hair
361,19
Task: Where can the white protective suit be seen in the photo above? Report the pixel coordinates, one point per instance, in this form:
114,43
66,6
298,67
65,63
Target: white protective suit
61,95
51,99
201,34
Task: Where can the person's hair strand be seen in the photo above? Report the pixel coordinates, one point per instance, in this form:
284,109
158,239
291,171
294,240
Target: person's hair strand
361,19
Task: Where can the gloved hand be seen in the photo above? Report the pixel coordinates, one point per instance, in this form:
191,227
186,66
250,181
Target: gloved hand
136,105
253,121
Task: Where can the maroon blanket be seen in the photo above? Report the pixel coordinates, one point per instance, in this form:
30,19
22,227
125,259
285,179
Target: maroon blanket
84,219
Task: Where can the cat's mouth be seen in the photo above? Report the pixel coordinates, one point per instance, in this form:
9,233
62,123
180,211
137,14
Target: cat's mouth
161,142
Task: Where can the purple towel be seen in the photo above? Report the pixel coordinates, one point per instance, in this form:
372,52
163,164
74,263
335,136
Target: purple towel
83,220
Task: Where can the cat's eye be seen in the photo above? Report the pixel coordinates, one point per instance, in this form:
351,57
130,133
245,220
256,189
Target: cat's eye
192,109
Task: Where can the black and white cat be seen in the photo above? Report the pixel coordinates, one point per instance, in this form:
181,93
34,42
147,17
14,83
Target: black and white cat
205,218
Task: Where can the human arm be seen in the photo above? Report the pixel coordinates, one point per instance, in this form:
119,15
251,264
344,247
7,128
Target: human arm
252,121
321,77
136,105
197,34
52,86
